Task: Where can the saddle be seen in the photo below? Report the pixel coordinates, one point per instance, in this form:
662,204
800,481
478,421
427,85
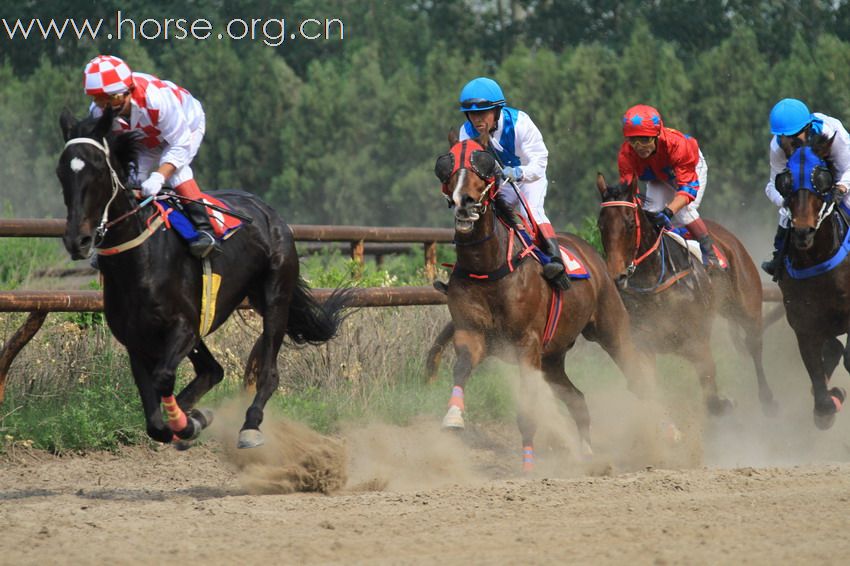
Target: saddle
684,238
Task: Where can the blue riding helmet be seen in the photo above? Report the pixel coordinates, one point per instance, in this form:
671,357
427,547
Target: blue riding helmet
789,117
481,94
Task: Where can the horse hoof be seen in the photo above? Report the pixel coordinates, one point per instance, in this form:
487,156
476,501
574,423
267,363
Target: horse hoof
824,422
250,438
181,445
453,419
586,450
203,417
719,406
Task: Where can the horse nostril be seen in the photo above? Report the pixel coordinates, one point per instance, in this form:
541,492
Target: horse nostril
84,242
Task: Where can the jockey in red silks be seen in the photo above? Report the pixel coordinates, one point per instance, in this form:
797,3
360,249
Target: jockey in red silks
519,146
171,123
675,172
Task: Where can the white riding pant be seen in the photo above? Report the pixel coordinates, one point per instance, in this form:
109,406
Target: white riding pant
533,192
660,193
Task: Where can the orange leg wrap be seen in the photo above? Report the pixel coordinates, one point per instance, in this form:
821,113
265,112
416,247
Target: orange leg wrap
457,397
176,417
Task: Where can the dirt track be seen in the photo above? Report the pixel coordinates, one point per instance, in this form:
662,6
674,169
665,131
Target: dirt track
145,506
745,489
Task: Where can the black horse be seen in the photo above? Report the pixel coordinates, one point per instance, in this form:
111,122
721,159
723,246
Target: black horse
152,290
815,283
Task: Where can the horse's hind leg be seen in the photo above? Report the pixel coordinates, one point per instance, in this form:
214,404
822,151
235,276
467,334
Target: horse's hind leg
569,394
435,354
698,352
752,325
275,311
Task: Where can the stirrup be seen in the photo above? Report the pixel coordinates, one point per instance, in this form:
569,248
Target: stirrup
204,246
769,267
441,287
556,275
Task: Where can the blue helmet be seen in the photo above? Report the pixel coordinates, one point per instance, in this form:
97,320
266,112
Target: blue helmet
481,94
789,117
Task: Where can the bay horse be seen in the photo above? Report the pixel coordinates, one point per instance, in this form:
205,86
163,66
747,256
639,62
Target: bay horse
672,298
815,282
152,290
502,305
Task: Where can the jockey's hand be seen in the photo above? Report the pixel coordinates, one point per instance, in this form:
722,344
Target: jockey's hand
512,174
664,219
153,184
841,189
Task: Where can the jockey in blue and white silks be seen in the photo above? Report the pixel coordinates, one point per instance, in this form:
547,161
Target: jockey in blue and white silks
792,122
518,144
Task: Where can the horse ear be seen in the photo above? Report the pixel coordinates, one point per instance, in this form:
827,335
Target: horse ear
601,186
104,124
66,123
453,137
823,146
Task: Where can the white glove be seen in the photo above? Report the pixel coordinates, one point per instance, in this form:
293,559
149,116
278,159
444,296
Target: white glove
512,174
153,185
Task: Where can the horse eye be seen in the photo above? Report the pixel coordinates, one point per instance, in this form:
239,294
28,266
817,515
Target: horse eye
444,167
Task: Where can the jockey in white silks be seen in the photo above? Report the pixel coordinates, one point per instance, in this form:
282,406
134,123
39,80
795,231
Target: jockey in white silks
791,121
171,125
519,147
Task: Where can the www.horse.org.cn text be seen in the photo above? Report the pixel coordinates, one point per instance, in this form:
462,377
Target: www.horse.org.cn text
273,32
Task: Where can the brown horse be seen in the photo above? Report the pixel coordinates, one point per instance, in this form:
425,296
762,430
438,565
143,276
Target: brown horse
815,284
496,310
671,297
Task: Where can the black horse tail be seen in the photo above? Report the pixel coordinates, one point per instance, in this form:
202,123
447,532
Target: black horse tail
313,322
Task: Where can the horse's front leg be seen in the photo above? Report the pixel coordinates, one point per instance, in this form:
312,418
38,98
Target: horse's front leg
827,401
470,347
178,344
156,427
700,354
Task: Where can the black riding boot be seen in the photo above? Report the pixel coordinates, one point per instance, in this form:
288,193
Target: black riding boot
709,258
771,267
206,243
554,272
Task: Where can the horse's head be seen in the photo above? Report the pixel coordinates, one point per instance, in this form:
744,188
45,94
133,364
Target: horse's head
808,187
619,226
92,168
468,174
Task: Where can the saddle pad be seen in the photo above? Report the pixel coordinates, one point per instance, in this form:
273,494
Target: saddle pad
575,268
693,247
223,224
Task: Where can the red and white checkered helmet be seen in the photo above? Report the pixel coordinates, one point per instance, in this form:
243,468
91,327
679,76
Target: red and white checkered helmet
106,74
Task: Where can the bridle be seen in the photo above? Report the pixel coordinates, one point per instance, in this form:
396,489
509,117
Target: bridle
103,227
635,259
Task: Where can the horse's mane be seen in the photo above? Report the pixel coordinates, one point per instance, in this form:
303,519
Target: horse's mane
124,147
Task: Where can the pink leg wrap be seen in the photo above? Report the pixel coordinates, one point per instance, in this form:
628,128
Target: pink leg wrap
837,402
188,189
457,397
176,417
527,458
